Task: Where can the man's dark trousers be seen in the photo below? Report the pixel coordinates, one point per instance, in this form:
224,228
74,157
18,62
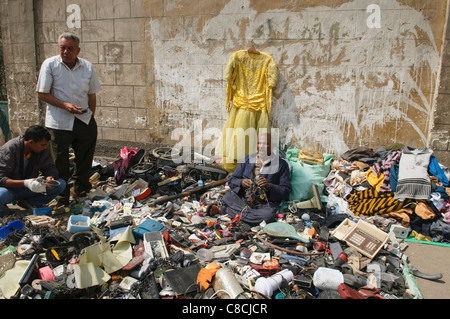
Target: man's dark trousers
82,139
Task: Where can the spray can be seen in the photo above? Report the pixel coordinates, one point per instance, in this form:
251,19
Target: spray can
226,285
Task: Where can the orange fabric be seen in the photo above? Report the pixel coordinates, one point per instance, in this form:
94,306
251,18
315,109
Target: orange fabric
402,216
424,211
206,275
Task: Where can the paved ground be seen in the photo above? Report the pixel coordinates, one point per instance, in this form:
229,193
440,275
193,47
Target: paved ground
431,259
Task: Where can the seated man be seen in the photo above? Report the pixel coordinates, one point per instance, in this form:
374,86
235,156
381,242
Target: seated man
21,160
258,185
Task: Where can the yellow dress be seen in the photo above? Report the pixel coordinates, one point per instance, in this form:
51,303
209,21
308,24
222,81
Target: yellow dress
250,79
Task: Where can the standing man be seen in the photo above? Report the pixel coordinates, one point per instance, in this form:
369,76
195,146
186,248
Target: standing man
21,161
68,84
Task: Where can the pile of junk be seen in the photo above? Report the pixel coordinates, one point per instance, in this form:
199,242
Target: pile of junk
145,232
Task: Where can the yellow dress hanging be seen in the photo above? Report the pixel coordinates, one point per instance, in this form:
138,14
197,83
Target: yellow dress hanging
250,79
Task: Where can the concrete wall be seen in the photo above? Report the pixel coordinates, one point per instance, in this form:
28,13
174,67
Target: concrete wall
352,73
17,22
440,133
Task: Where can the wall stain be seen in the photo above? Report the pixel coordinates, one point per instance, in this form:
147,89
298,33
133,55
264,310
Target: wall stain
342,84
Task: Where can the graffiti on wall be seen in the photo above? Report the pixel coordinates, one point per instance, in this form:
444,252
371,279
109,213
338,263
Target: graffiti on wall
347,73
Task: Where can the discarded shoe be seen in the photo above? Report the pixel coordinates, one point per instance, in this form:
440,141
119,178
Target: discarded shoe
59,255
12,227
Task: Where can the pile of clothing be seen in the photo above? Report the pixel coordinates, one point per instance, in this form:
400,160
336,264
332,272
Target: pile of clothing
407,184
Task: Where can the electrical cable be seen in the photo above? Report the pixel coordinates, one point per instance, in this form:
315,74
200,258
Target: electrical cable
221,290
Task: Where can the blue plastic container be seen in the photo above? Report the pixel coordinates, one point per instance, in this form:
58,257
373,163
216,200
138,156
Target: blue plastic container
42,211
147,226
78,223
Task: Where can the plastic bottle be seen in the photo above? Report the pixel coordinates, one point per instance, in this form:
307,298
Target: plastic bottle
205,255
411,283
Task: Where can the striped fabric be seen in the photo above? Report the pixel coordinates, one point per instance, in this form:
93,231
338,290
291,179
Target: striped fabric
417,188
413,177
383,167
370,202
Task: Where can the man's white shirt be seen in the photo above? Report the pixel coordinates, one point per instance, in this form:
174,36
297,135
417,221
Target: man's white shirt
68,85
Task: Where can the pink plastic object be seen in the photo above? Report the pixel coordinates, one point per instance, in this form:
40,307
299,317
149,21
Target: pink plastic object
46,273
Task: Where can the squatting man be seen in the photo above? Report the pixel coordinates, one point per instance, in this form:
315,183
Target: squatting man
265,171
21,161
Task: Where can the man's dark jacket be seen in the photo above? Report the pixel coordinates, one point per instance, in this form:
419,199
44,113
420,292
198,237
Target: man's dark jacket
276,172
12,162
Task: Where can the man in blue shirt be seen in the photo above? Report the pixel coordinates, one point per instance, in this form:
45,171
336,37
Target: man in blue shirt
258,185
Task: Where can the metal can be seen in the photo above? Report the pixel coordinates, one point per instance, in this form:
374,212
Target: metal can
94,178
226,285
